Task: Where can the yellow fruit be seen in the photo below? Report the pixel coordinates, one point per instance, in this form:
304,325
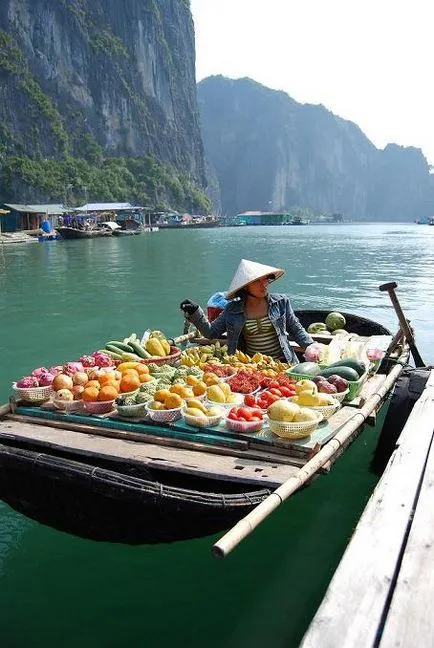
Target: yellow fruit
304,414
172,401
232,398
161,395
166,346
192,380
215,394
213,411
155,348
156,405
302,385
306,397
283,410
196,404
225,389
193,411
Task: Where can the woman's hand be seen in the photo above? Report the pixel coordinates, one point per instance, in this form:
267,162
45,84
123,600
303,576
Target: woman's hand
188,307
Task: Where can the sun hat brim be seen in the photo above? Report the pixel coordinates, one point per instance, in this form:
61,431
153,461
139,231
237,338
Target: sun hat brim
249,271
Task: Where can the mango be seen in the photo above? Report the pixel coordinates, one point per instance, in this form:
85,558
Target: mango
225,389
213,411
215,394
192,402
193,411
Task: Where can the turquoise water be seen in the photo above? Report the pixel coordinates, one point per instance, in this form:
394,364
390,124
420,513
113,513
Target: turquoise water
60,299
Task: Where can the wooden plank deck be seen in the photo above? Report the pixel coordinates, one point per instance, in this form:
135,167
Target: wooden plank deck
382,592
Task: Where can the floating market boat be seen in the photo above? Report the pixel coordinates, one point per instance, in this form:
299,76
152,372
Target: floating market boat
111,478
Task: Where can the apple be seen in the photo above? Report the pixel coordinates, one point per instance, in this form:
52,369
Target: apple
62,381
80,378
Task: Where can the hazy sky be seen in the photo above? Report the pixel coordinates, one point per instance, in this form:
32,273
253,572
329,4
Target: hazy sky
370,61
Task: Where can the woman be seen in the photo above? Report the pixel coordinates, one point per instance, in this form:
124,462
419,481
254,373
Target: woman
256,322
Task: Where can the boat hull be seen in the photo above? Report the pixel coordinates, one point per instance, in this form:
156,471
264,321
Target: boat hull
74,233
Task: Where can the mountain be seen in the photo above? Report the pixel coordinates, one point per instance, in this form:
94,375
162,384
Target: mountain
270,152
99,94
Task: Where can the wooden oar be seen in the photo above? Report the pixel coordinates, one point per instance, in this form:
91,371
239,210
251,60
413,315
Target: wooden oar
342,438
183,338
390,288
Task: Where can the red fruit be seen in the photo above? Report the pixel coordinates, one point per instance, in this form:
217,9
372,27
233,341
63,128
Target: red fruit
274,384
245,413
250,400
326,388
286,391
276,391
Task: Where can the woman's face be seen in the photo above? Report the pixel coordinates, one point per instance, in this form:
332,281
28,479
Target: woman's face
259,288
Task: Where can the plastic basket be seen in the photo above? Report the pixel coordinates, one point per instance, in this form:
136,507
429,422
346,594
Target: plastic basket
98,407
326,410
131,411
33,394
294,430
298,377
164,416
202,421
130,393
244,426
170,359
69,407
355,387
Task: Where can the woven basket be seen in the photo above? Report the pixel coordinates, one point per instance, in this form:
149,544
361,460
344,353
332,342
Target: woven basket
98,407
340,396
294,430
69,407
33,394
326,410
171,359
244,426
131,411
130,393
164,416
202,421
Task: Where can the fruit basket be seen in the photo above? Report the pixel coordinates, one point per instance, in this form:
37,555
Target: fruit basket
170,359
69,407
294,431
202,421
244,426
164,415
33,394
98,407
131,411
340,396
325,410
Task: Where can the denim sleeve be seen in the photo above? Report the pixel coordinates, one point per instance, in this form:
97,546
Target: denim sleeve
294,327
210,331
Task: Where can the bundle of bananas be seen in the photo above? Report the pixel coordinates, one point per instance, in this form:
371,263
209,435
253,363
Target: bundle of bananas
199,356
258,361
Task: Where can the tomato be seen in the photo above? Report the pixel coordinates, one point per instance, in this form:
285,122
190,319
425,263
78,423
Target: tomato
287,391
276,391
233,414
274,384
250,400
256,418
245,413
262,403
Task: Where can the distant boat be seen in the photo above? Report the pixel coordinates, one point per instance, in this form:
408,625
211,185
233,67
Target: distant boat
431,220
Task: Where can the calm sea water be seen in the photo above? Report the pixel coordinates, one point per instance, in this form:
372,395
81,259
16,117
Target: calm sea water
60,299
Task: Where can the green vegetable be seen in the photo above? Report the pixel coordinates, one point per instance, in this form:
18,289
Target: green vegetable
316,327
344,372
353,364
306,368
335,321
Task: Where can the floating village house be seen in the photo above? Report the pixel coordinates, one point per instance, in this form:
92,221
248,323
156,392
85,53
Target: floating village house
28,218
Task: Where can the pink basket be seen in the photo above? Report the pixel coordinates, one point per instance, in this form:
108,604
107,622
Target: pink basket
174,356
98,407
164,416
244,426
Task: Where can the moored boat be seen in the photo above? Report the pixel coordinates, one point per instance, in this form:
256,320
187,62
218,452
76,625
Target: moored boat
137,481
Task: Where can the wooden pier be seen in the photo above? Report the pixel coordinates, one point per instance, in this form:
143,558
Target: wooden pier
382,592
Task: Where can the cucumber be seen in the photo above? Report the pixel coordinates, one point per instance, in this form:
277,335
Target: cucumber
137,348
120,345
306,368
115,349
112,354
344,372
353,364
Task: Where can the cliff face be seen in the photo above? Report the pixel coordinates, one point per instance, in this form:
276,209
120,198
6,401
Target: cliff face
76,75
270,152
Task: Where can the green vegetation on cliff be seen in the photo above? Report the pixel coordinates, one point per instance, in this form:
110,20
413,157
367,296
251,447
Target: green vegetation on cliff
140,180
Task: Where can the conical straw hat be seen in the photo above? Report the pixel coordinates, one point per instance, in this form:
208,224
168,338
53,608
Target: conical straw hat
249,271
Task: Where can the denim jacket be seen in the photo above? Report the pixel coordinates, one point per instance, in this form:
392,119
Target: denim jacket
232,321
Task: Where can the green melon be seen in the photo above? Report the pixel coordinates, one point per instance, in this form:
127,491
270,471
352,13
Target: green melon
335,321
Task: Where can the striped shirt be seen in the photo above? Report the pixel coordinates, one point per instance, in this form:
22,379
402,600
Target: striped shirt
261,337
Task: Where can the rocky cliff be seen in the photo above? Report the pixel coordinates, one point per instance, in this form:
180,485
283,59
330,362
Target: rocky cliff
269,151
98,79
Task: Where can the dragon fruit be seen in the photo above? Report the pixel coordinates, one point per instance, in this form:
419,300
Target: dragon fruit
87,361
70,368
28,382
56,369
39,371
102,359
46,379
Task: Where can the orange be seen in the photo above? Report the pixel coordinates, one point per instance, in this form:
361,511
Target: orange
144,378
93,383
177,389
133,372
106,379
90,394
129,382
142,369
108,392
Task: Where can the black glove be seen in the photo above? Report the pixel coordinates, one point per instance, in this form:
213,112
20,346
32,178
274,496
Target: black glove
188,307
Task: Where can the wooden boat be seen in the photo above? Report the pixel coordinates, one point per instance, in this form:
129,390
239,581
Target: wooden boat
112,479
79,233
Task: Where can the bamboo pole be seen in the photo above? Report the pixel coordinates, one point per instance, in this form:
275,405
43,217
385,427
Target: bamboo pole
245,526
